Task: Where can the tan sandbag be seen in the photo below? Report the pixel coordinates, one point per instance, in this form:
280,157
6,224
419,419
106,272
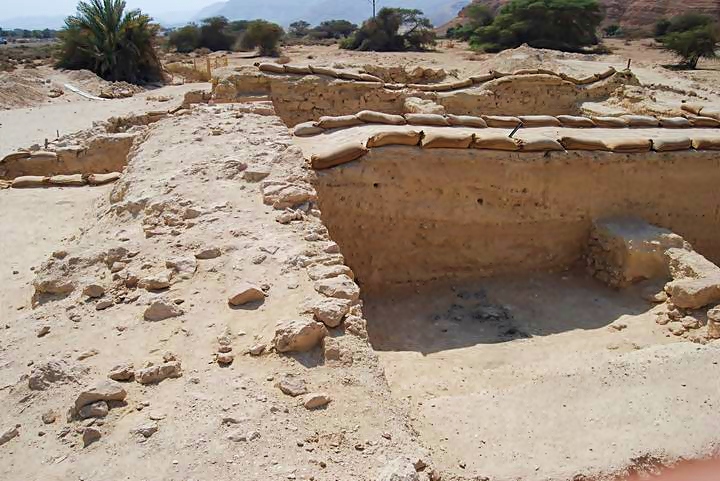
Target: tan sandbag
395,86
461,84
424,87
541,144
297,69
539,121
43,155
567,77
102,179
337,155
28,181
641,121
446,86
628,145
583,143
340,122
427,119
576,122
587,80
488,141
692,108
610,122
466,121
703,122
327,71
5,184
606,74
711,112
307,129
481,79
349,76
544,71
395,137
668,143
15,156
675,123
366,77
271,67
372,117
447,139
501,121
497,74
704,142
75,180
527,71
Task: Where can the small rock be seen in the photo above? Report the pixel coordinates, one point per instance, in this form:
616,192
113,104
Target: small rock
155,282
256,173
292,386
49,417
105,390
156,374
156,416
298,335
122,372
88,354
257,350
677,329
9,434
117,267
90,435
399,470
146,430
224,349
341,287
160,310
185,267
690,322
102,305
207,254
43,331
246,293
316,400
93,291
331,311
225,358
97,409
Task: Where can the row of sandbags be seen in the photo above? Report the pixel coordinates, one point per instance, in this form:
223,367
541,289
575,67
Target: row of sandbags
275,68
702,110
74,180
529,121
456,139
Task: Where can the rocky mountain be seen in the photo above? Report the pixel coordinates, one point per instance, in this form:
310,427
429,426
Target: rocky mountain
315,11
634,13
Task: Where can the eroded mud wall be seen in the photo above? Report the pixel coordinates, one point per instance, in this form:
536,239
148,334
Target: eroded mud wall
405,214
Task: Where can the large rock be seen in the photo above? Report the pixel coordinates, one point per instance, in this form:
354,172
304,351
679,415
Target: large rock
105,390
281,195
97,409
184,267
298,335
155,374
320,272
694,293
50,372
9,434
155,282
245,294
341,287
316,400
331,311
160,310
399,469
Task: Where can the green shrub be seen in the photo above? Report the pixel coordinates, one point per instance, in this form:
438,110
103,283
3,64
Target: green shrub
114,43
213,34
382,33
263,35
567,25
185,39
691,36
476,15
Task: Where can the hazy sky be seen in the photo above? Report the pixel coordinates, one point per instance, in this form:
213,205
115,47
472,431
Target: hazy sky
32,8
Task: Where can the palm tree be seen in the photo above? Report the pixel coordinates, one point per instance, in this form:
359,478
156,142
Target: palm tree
113,43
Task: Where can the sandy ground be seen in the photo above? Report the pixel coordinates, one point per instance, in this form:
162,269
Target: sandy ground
565,380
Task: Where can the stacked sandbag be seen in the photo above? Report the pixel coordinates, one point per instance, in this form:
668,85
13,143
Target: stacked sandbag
337,155
75,180
489,141
501,121
102,179
307,129
30,181
340,122
395,137
447,139
466,121
427,119
373,117
530,121
573,121
671,143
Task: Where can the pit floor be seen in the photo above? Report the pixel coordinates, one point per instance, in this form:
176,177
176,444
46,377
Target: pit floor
538,377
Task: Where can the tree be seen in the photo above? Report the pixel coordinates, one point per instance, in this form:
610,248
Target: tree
299,29
334,29
185,39
565,25
263,35
476,15
382,33
213,34
114,43
691,36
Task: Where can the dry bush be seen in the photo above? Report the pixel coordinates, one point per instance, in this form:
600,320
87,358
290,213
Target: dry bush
189,72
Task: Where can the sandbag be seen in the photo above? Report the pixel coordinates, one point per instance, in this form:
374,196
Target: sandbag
337,155
606,74
28,181
527,71
610,122
460,84
395,86
539,121
481,79
340,122
271,67
349,76
424,87
327,71
500,121
43,155
307,129
75,180
395,137
15,156
541,144
711,112
703,122
488,141
102,179
705,142
366,77
628,145
576,122
427,119
373,117
583,143
496,74
297,69
466,121
641,120
544,71
447,139
567,77
668,143
692,108
586,80
675,123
